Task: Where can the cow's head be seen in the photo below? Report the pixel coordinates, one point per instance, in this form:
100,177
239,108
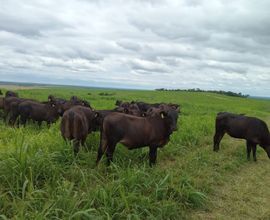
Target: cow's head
266,147
168,115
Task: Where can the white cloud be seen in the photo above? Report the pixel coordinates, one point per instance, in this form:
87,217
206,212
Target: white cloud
214,44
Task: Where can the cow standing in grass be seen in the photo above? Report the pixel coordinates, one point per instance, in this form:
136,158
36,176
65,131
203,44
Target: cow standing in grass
136,132
76,124
11,108
38,112
6,101
253,130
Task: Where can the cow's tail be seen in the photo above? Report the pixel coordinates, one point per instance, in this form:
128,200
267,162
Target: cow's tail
70,124
67,126
102,145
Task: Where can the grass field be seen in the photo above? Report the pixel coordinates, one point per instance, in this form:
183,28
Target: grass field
41,179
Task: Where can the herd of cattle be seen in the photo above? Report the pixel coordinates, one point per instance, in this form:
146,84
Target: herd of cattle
134,124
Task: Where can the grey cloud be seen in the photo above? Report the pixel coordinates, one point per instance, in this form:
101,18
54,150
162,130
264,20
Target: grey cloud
129,45
212,44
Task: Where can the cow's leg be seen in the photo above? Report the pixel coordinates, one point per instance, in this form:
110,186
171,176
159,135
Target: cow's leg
254,148
15,116
217,138
39,123
109,152
76,146
12,119
23,120
102,147
83,142
249,146
152,155
5,117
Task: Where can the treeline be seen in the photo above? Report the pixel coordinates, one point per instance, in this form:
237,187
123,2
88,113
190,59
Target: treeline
228,93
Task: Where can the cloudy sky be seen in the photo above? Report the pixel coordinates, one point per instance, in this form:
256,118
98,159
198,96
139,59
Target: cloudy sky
143,44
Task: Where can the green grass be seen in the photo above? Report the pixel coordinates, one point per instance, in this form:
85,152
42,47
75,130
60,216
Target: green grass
41,179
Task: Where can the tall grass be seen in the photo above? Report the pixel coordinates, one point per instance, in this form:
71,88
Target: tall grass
41,179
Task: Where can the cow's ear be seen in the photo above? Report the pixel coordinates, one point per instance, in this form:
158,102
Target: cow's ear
162,114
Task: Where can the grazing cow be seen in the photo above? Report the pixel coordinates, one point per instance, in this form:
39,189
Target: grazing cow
76,124
253,130
48,112
136,132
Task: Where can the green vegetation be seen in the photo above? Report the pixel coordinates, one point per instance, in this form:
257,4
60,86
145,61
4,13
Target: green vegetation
41,179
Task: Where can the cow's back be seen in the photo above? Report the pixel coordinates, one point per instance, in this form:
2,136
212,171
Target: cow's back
74,125
241,126
133,131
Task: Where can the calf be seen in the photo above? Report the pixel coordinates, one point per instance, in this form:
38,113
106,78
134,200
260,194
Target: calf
253,130
48,112
76,124
136,132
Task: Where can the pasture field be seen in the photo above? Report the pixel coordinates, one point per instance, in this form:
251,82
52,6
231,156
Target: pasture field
41,179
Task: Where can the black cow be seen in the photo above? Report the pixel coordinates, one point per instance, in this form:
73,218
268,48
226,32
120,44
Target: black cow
136,132
39,112
76,124
253,130
11,108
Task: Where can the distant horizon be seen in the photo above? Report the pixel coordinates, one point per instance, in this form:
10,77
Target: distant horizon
105,87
